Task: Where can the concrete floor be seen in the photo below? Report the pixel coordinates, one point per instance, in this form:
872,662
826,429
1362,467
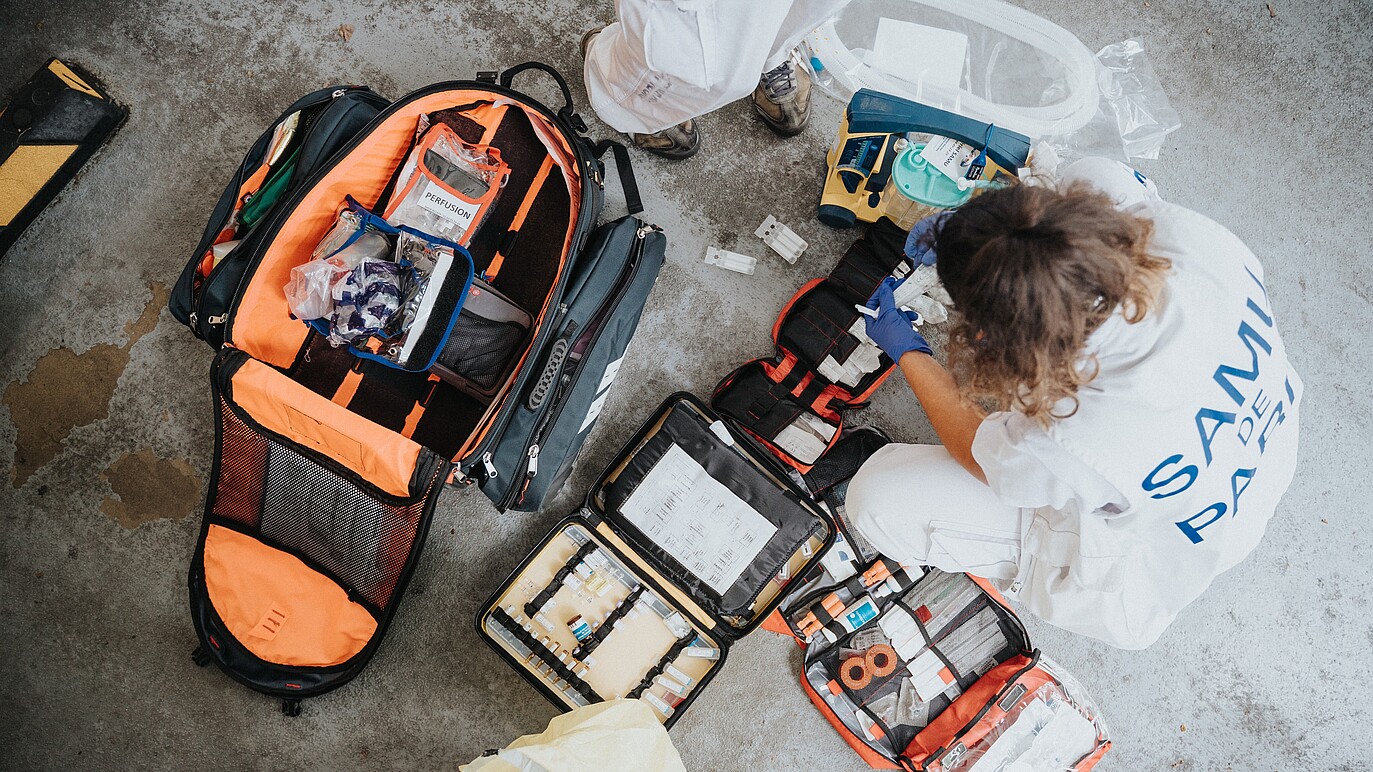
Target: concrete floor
107,424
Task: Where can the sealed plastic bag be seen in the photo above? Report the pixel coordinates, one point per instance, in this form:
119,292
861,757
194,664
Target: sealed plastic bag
1136,99
365,300
1053,728
309,293
998,63
447,187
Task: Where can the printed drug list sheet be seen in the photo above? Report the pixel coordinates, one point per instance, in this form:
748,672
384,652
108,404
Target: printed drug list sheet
697,520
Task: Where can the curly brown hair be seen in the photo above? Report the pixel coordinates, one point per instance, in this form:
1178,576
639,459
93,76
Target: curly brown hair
1032,272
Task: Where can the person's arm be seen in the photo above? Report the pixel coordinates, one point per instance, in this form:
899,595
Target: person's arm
954,420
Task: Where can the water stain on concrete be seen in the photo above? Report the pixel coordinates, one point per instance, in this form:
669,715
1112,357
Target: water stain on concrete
66,390
147,487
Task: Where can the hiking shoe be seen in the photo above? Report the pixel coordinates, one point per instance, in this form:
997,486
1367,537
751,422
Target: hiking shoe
675,142
782,99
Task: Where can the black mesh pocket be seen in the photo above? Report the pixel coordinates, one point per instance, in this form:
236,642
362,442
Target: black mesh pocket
359,537
481,350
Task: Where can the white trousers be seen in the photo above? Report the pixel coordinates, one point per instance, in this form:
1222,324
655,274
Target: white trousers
665,61
919,506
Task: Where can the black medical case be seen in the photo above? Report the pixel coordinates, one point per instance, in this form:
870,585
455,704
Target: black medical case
526,620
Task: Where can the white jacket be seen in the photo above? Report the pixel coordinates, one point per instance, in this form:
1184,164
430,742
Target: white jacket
1175,460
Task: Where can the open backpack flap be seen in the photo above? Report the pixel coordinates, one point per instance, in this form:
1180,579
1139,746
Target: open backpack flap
329,458
795,402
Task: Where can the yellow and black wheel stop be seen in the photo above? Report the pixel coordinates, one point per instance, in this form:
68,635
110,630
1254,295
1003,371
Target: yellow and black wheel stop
51,127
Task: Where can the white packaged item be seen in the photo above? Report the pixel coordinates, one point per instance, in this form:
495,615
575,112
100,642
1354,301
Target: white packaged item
806,438
782,239
732,261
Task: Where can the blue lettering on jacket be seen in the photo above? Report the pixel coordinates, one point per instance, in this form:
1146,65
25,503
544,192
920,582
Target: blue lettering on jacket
1175,474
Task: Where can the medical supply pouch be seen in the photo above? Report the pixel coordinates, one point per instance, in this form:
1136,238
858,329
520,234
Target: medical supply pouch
825,364
684,545
328,462
447,186
401,317
306,135
925,670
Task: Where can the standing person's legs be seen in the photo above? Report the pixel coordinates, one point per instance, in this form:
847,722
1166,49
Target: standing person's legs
782,97
918,506
662,63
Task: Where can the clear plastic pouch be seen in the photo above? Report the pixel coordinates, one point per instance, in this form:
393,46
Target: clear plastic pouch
1050,729
310,292
392,304
446,186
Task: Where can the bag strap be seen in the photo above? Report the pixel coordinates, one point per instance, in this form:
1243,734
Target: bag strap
567,113
626,171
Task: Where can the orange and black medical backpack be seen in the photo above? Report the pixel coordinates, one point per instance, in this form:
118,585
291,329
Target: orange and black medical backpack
327,464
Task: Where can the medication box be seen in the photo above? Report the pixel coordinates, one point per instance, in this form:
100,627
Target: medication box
686,543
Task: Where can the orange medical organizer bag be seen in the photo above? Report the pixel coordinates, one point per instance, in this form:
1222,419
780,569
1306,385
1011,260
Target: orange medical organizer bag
328,462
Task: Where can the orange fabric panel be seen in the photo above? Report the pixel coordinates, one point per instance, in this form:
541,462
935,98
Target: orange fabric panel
262,323
945,728
379,455
348,388
280,609
776,623
523,212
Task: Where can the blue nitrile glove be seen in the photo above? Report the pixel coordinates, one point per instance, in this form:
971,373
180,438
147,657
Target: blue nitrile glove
918,249
891,329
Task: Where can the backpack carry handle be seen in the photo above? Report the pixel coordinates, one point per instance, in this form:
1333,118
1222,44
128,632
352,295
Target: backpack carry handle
633,202
567,113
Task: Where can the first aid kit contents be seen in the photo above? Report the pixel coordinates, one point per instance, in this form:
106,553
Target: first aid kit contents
688,541
933,669
794,402
395,291
384,226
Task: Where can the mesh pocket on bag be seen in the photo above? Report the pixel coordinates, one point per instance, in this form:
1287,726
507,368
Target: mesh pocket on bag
299,505
480,349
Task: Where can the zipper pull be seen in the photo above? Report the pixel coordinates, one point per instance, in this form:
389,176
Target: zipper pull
488,466
533,468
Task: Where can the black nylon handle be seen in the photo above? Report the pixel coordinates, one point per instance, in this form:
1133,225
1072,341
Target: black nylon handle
633,201
509,75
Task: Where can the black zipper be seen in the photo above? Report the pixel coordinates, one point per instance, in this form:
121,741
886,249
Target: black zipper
585,216
529,467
